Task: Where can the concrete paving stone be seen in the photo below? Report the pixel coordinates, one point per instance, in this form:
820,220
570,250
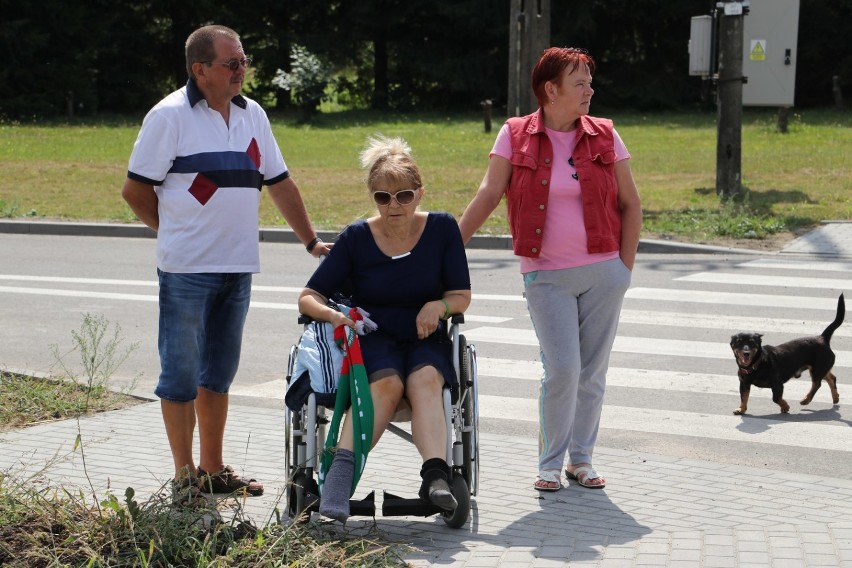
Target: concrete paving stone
776,541
643,559
718,550
754,558
787,562
651,547
752,546
722,538
821,559
554,550
790,551
691,555
622,552
817,548
686,541
548,563
720,562
579,556
842,531
458,555
616,563
482,562
517,556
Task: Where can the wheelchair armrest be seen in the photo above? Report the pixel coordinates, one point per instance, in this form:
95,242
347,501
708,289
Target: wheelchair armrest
303,319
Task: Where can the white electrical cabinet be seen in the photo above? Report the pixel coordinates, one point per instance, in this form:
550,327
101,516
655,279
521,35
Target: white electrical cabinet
700,45
770,39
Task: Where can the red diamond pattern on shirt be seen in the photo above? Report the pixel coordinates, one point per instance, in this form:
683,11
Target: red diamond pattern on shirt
254,153
202,188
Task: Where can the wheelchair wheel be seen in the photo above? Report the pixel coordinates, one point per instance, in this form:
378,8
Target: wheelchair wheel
458,517
470,438
301,496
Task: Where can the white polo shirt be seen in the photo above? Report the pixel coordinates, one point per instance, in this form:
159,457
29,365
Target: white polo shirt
208,177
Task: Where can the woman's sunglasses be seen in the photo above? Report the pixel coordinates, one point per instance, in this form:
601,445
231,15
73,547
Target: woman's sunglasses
403,197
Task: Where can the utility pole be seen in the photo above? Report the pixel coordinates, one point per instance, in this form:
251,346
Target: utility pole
730,99
529,36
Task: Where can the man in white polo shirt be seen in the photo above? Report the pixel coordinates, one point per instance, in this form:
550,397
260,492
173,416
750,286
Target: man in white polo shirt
195,176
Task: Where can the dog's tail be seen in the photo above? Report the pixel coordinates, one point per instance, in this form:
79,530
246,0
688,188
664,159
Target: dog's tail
841,312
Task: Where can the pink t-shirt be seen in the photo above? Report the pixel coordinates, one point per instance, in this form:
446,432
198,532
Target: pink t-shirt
564,241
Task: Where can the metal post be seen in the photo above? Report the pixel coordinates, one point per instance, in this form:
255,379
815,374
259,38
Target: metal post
486,114
730,99
837,89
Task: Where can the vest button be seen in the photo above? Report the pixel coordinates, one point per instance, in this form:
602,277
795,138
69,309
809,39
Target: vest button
547,160
544,182
534,249
538,231
541,207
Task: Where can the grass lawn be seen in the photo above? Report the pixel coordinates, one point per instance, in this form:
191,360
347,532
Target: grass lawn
793,181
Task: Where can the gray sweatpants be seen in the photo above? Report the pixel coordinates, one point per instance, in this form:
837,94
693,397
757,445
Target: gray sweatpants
575,313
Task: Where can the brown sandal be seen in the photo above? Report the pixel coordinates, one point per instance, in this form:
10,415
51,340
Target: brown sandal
226,481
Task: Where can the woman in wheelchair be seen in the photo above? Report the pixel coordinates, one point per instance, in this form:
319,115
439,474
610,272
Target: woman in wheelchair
408,270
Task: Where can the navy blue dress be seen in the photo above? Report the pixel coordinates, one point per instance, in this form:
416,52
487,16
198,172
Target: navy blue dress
394,289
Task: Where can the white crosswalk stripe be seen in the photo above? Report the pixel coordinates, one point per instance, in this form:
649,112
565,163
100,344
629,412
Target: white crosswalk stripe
627,344
735,428
764,280
731,298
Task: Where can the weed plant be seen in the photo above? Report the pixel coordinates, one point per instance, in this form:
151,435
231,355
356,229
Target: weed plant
48,527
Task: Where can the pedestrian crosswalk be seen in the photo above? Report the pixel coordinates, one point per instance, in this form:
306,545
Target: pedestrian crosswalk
672,371
673,340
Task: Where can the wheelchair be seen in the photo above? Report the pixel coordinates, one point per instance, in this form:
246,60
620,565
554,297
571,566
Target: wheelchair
308,414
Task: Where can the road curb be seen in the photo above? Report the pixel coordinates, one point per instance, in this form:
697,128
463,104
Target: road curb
272,235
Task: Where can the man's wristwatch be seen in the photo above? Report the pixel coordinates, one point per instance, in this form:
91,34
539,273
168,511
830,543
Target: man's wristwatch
314,242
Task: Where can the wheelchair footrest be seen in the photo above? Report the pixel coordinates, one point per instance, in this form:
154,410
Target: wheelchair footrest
395,506
366,507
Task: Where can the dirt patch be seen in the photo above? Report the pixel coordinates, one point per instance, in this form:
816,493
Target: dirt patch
27,401
772,243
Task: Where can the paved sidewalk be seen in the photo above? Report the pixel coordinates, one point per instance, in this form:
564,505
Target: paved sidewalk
655,511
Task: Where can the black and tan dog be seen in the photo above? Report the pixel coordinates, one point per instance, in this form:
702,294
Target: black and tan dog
770,367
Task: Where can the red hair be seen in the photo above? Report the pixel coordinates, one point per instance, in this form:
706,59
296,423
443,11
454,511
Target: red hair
551,64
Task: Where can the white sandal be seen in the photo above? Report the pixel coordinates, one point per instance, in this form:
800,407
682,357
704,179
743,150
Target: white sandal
547,479
583,474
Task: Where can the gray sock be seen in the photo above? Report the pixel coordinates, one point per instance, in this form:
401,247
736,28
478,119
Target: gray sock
338,486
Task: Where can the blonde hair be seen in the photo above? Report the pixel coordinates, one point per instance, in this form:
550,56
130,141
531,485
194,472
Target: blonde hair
389,159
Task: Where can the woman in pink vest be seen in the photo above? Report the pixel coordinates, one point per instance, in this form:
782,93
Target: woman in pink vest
575,218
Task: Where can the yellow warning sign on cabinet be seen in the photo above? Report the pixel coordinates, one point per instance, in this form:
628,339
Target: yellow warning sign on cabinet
758,50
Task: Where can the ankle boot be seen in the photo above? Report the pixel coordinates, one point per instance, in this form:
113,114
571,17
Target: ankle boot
435,488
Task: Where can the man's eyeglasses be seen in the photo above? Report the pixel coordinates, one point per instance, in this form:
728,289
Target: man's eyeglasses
403,197
233,64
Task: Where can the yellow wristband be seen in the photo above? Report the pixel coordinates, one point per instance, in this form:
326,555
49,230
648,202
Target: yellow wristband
446,309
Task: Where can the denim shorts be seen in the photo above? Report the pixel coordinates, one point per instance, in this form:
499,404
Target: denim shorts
201,331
